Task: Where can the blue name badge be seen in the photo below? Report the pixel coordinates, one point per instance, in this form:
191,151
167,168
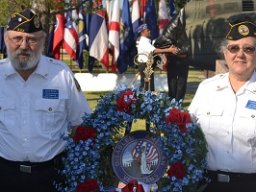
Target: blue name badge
251,105
50,93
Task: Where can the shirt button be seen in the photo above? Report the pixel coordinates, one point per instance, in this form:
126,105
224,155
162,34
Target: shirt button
208,113
252,116
49,109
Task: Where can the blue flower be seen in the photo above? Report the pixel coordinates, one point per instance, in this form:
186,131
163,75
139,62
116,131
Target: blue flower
184,147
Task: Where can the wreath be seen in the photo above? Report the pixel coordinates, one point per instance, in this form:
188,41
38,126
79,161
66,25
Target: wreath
89,148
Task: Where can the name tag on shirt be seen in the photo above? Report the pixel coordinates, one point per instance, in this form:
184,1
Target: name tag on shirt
50,93
251,105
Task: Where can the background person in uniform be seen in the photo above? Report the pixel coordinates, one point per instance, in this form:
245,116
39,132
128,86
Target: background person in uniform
144,48
225,108
177,75
39,101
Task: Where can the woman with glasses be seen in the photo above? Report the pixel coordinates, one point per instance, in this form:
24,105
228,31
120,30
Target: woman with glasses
40,101
225,108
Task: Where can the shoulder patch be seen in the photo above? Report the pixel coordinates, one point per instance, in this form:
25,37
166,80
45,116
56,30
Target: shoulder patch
77,85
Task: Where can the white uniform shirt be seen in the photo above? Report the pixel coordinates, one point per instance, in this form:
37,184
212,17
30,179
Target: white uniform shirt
144,48
36,113
228,121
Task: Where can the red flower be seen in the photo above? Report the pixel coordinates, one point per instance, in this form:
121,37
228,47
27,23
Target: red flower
177,169
125,101
88,186
83,133
179,118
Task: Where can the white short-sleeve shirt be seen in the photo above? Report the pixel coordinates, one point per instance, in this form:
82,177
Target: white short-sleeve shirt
36,113
144,48
228,121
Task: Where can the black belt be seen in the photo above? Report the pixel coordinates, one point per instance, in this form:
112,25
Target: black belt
227,177
31,167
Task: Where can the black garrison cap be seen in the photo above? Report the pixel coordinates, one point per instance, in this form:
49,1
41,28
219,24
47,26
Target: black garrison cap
26,21
241,27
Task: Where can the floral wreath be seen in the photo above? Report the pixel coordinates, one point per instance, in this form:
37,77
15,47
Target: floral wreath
88,148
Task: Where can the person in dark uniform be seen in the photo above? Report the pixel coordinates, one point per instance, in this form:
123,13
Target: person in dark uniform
40,101
177,75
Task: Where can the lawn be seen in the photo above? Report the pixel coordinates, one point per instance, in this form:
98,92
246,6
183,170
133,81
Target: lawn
194,78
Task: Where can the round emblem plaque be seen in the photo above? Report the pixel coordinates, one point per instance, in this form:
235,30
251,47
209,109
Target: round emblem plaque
139,156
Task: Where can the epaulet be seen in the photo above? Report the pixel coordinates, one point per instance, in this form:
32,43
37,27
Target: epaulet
215,78
2,61
56,62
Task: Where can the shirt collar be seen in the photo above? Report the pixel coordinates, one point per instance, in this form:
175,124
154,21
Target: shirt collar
223,83
41,69
251,86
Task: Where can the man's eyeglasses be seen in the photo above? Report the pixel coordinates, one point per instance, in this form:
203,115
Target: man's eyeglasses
248,49
17,40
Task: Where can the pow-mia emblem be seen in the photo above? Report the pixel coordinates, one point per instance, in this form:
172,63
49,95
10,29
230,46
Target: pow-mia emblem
139,156
243,30
36,22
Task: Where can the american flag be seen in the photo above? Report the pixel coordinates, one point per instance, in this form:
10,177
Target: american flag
151,151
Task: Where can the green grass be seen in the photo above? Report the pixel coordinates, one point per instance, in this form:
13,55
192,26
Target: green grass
194,78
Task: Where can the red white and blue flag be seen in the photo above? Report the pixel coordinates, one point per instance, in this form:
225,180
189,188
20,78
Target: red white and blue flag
151,151
98,39
136,18
70,42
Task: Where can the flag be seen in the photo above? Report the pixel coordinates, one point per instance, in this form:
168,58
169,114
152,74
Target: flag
114,29
49,51
150,150
98,39
58,35
136,19
108,9
82,39
172,8
163,18
143,4
151,19
91,60
127,42
2,44
70,42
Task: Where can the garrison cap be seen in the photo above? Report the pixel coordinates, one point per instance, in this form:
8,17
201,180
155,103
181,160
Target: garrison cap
240,28
26,21
141,28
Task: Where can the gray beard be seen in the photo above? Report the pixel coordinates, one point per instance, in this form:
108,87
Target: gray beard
29,63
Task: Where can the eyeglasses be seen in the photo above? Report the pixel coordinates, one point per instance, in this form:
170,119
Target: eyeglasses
248,49
17,40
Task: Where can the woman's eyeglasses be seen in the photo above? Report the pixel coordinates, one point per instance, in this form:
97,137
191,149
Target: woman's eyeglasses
248,49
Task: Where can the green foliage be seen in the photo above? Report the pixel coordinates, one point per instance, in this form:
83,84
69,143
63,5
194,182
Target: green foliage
8,7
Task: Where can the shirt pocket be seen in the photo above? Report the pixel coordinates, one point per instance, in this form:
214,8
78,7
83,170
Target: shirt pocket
50,113
246,126
211,120
7,113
